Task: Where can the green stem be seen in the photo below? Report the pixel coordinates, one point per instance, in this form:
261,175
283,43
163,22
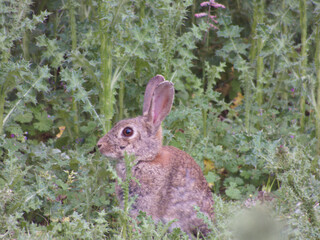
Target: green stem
247,94
193,11
284,27
303,25
106,96
204,110
106,75
73,28
204,119
253,49
317,66
121,97
73,25
252,57
55,24
142,12
2,101
260,66
284,74
205,81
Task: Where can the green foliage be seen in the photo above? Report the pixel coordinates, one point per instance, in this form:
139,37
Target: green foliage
69,70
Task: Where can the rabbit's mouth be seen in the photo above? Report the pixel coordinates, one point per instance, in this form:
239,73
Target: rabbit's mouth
111,155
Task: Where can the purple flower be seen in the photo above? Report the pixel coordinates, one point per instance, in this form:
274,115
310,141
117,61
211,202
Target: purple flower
292,90
213,19
210,17
291,136
216,5
212,3
12,135
213,26
199,15
203,4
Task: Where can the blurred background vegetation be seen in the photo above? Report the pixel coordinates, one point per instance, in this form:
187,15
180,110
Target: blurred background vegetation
247,109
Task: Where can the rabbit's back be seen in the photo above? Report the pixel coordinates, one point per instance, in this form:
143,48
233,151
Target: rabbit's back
170,187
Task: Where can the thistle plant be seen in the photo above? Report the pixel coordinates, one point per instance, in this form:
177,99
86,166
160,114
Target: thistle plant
17,72
304,50
256,47
211,22
315,85
71,7
107,31
317,67
106,95
211,19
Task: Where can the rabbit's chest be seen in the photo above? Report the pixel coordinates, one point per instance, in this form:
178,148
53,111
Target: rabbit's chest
150,190
150,179
147,181
149,187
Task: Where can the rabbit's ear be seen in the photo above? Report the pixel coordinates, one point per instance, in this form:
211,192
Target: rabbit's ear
153,83
161,103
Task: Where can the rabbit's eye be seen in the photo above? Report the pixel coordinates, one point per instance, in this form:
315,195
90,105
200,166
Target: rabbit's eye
127,132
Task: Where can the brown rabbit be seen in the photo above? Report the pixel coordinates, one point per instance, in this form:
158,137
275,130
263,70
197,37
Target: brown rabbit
171,183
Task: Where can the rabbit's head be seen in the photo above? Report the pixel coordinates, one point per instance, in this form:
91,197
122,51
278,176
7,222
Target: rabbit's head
141,136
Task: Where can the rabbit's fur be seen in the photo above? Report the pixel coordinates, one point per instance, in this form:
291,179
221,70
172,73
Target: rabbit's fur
171,183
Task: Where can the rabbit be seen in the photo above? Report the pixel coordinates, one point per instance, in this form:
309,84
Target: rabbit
170,183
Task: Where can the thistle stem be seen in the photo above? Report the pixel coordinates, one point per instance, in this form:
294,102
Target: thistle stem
247,93
2,101
256,47
303,25
252,53
106,75
260,66
106,95
317,66
74,47
121,97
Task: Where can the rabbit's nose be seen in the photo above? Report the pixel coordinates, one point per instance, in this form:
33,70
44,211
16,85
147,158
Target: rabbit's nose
102,143
99,145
